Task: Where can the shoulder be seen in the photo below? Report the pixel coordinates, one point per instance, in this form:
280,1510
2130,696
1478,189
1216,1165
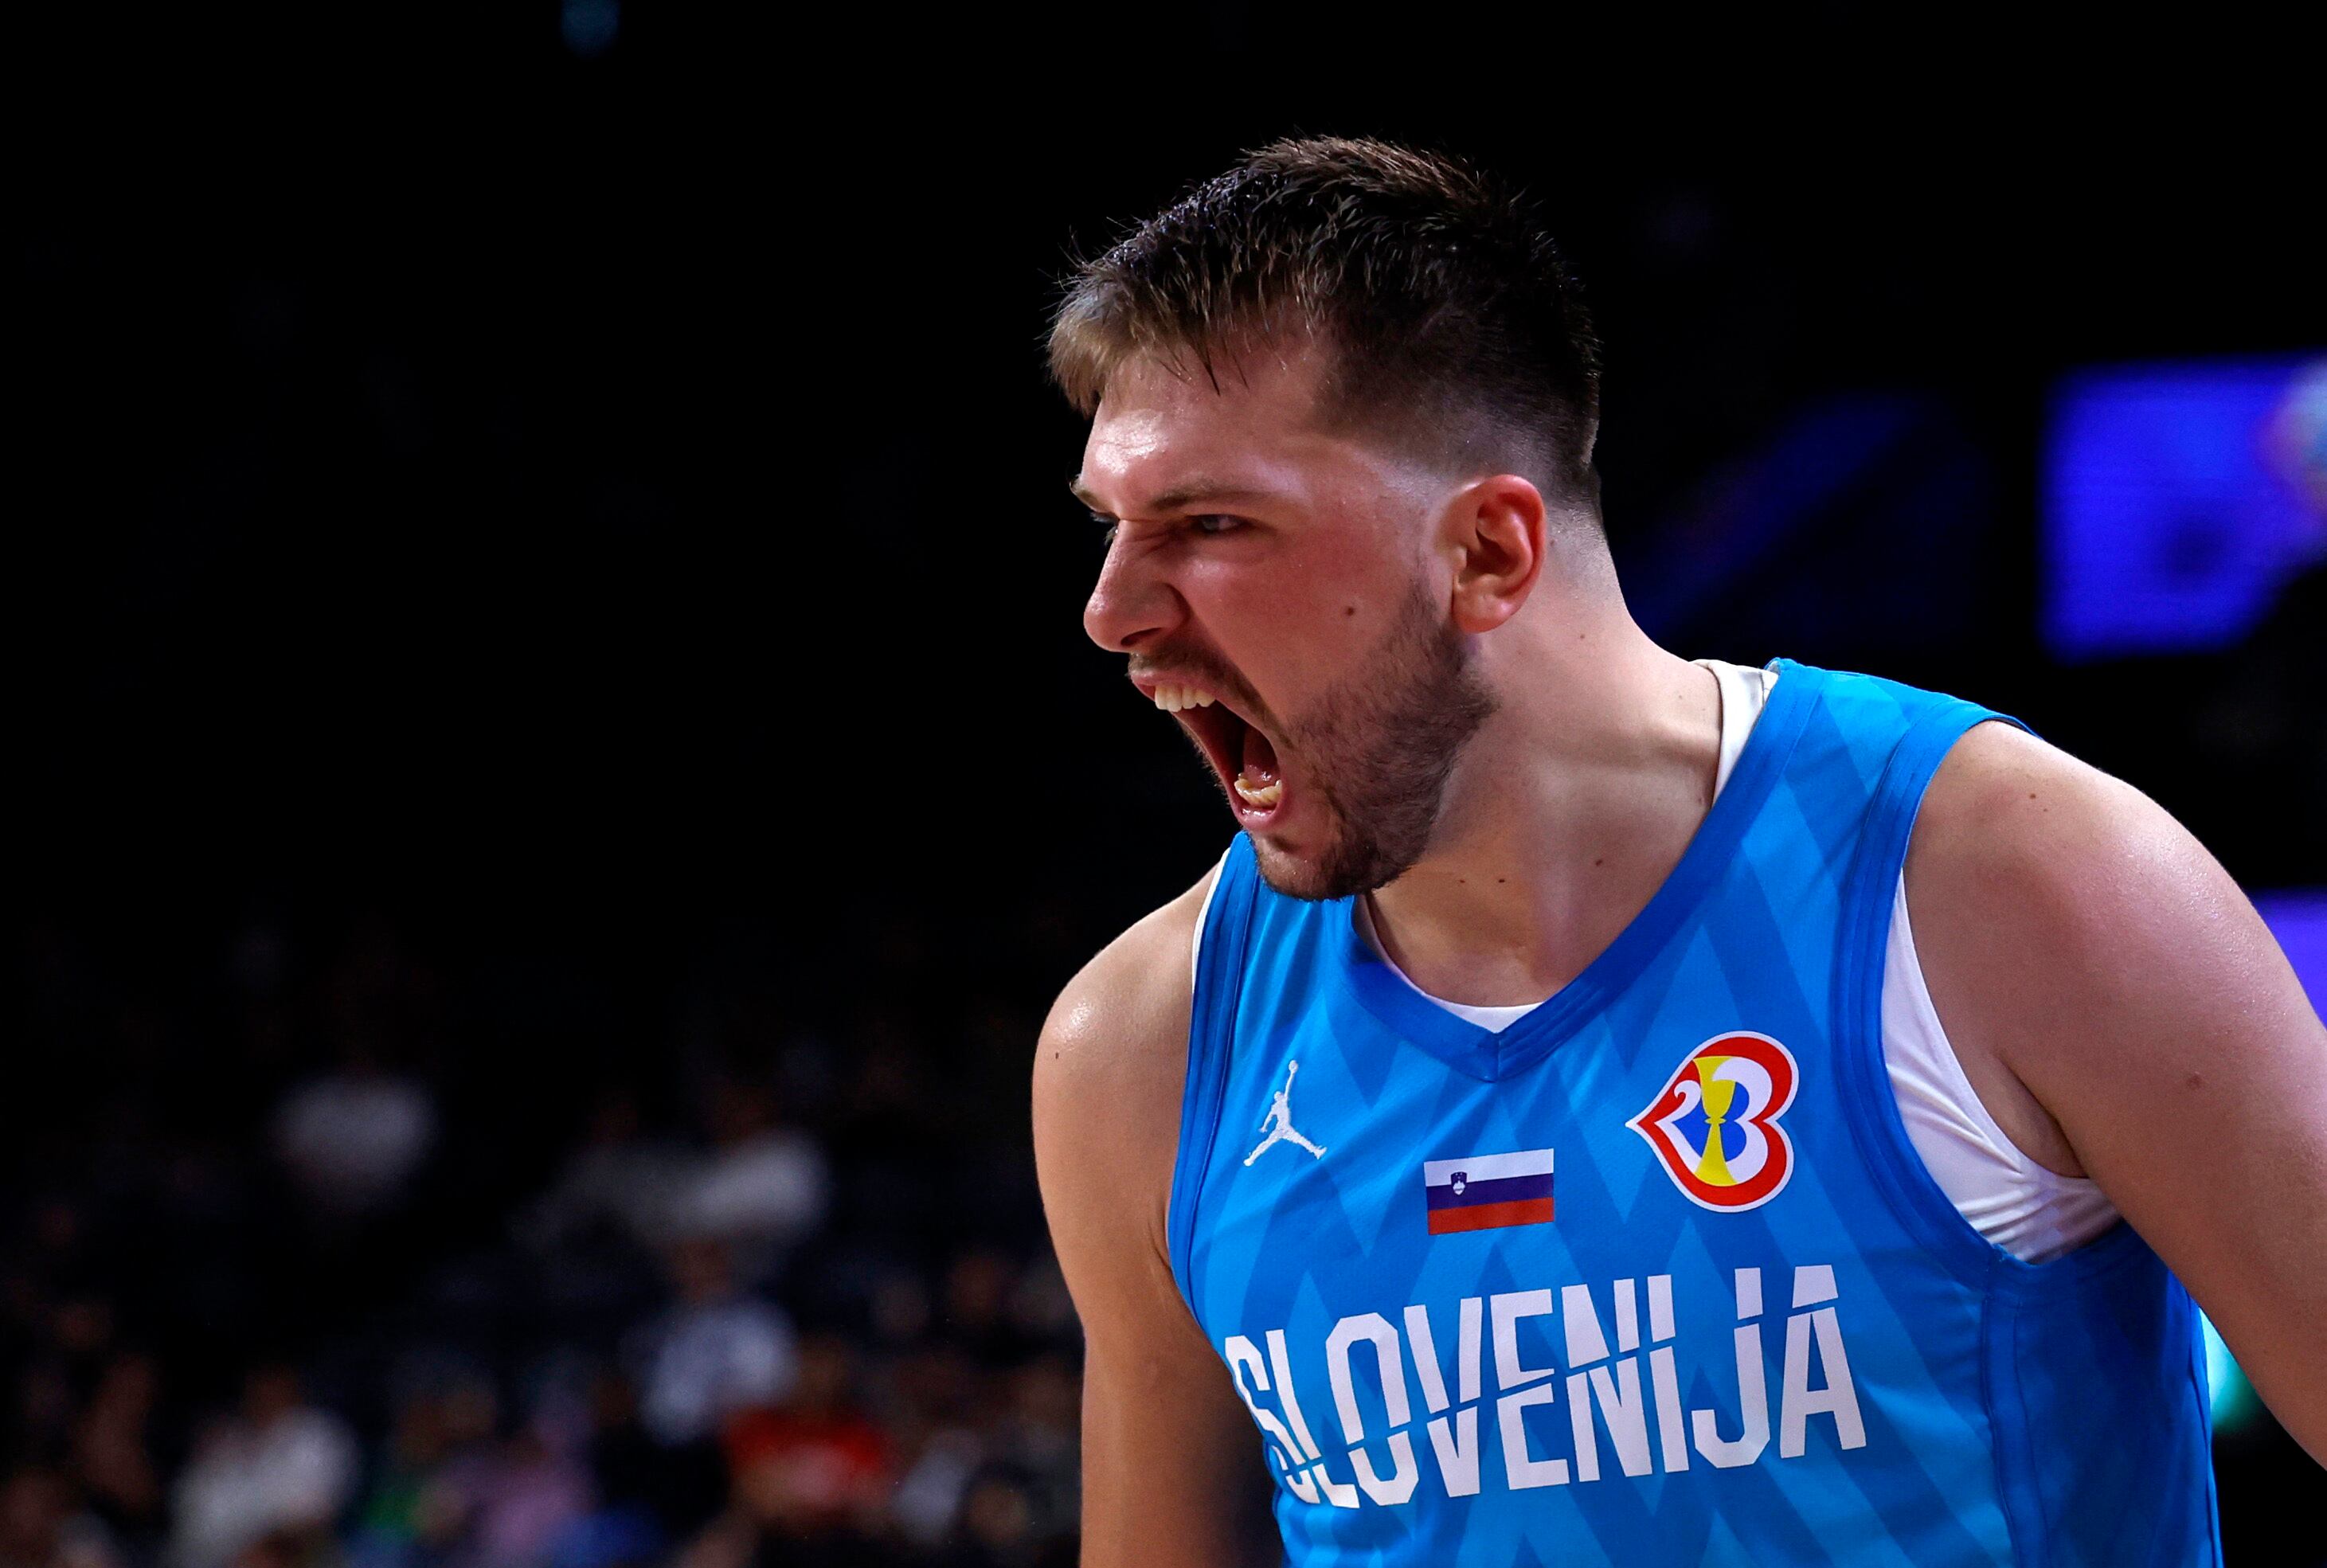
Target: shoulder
2056,860
1129,1005
2076,934
1167,1444
1111,1063
2078,939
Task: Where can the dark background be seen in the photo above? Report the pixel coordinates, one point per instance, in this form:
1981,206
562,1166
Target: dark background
540,563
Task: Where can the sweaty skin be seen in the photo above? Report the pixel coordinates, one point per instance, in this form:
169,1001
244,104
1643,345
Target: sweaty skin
2115,1001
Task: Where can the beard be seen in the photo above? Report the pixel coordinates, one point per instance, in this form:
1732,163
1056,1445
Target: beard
1380,747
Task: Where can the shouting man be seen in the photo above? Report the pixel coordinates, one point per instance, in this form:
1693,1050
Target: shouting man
1743,1115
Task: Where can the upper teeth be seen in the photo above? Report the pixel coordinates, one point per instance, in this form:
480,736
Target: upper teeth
1172,699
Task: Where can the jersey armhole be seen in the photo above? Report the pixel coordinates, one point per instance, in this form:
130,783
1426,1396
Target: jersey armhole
1203,913
1223,928
1861,959
1869,899
1962,1145
2016,1298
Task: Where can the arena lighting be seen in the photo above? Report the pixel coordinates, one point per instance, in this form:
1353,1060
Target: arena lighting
2178,500
588,26
2229,1396
2297,916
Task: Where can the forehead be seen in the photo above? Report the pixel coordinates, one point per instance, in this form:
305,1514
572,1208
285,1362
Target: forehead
1161,433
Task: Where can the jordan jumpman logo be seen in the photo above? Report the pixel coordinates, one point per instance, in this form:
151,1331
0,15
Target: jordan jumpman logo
1278,1124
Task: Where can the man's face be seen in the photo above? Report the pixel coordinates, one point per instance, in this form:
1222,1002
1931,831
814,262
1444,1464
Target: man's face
1276,587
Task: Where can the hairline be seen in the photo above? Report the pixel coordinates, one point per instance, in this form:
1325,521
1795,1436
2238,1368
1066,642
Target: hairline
1490,447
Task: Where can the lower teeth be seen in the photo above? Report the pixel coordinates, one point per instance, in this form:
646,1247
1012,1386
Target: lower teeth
1267,795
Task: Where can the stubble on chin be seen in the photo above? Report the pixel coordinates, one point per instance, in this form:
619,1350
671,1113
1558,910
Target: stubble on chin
1379,748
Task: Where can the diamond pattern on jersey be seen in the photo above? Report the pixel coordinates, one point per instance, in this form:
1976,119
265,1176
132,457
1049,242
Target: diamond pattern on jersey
1686,1409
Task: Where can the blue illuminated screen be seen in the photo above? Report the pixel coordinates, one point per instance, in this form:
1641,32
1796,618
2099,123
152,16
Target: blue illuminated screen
2299,920
2178,500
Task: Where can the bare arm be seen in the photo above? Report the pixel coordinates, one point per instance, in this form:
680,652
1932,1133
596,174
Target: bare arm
1171,1470
2124,1014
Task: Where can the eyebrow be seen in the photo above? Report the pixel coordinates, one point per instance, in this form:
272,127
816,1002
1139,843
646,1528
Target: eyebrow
1179,497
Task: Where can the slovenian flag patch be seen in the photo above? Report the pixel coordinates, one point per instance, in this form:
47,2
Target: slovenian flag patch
1488,1191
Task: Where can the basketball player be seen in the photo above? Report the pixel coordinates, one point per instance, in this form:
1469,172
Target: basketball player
1718,1090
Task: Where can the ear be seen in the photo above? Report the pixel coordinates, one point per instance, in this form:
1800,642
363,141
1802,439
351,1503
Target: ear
1496,530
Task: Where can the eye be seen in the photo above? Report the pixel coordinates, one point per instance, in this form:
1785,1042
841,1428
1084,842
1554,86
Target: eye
1215,523
1106,527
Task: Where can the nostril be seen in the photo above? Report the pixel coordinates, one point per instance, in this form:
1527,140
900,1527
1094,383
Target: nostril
1110,633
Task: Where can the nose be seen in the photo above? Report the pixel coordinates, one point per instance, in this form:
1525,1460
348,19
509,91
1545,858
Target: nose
1132,604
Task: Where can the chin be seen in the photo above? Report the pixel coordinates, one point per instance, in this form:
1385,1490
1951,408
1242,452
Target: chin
1342,869
1294,876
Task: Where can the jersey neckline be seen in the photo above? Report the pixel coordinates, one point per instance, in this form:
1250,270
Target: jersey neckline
1485,1054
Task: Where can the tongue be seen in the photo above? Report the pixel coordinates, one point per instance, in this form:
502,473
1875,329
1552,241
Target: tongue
1259,760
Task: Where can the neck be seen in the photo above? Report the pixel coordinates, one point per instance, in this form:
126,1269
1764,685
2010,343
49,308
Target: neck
1569,810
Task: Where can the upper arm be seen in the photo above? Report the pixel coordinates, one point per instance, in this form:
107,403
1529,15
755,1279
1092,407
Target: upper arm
1172,1474
2079,937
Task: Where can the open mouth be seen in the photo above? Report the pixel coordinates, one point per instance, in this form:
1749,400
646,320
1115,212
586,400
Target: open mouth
1242,757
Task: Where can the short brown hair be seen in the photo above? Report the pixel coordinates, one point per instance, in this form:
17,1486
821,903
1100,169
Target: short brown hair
1453,324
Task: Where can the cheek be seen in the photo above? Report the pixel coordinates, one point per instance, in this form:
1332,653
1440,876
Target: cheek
1328,589
1294,628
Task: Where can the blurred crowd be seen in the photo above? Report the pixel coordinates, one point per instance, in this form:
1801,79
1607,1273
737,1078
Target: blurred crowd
308,1267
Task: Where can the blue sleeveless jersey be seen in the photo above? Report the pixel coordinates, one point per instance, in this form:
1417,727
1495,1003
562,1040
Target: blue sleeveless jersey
1654,1276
